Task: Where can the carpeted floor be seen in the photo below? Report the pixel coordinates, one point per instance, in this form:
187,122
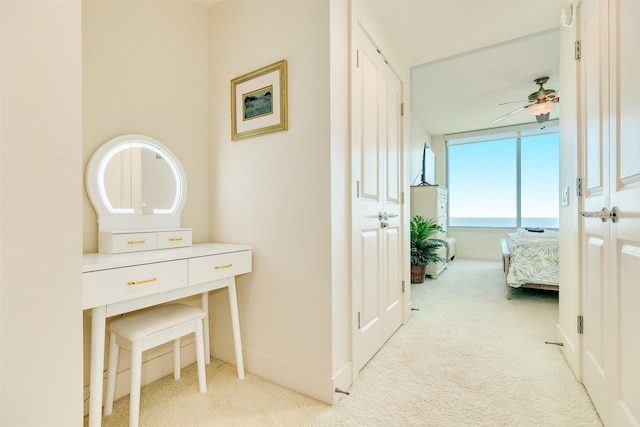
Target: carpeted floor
467,357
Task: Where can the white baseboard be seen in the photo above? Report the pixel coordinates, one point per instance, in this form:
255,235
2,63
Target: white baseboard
284,373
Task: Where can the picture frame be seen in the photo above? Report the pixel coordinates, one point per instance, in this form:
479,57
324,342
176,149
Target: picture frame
259,102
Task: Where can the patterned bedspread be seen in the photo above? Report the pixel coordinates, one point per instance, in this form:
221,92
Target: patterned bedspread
533,259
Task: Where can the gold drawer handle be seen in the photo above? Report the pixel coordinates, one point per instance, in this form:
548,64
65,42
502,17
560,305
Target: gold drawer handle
136,242
219,267
140,282
175,239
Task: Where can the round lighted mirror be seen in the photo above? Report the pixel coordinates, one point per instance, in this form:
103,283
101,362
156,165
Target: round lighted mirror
135,182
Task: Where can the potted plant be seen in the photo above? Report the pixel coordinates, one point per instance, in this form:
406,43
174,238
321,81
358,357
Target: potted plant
424,249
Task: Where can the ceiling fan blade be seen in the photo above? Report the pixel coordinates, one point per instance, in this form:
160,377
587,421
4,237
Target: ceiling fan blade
553,96
514,102
508,114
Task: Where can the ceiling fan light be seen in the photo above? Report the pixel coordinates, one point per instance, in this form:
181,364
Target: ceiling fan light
541,108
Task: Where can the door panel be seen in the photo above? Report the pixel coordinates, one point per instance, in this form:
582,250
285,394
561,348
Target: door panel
626,410
371,312
611,263
368,163
391,139
594,232
593,77
596,304
393,292
625,196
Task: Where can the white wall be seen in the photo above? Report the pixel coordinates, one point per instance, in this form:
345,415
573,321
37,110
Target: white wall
145,70
41,214
479,243
275,193
341,305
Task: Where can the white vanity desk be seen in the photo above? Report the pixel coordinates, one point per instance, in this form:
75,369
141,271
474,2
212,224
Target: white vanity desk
138,189
117,283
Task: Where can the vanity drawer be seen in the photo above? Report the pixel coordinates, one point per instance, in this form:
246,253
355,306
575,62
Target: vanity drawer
215,267
119,284
118,243
173,239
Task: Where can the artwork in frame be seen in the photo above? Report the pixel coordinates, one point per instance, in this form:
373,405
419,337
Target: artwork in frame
259,102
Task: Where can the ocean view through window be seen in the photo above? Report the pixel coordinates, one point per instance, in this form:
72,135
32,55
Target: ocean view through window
504,178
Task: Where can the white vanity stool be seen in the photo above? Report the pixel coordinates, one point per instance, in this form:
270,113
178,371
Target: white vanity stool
147,329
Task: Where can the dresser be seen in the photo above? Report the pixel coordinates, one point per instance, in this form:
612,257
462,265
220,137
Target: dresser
430,201
113,284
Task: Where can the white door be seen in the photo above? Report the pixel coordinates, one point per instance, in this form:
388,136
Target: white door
376,170
624,183
611,248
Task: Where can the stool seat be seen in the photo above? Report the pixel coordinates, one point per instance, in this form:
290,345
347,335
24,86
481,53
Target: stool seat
145,329
136,326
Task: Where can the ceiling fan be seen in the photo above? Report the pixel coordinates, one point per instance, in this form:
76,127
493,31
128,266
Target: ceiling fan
540,103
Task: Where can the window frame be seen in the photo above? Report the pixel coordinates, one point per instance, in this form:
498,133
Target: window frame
516,132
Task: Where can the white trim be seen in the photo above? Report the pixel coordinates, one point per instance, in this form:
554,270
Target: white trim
506,132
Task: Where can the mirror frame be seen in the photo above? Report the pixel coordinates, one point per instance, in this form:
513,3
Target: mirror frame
114,219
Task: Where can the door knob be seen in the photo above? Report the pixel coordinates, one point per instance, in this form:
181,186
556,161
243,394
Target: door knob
385,216
604,214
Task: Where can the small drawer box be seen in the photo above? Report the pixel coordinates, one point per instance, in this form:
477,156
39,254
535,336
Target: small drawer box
173,239
120,242
216,267
120,284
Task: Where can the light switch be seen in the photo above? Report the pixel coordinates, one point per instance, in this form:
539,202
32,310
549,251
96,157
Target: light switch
565,196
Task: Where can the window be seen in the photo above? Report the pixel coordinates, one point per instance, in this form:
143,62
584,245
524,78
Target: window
504,178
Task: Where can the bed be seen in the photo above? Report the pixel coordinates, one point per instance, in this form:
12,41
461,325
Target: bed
531,260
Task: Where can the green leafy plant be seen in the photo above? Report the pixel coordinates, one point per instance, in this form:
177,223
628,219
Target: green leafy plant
424,249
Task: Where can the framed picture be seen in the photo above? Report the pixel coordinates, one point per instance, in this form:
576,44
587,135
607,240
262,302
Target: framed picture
259,102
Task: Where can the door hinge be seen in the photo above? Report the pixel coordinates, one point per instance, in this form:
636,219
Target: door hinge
403,286
579,187
580,324
357,189
357,58
402,109
402,198
358,320
578,51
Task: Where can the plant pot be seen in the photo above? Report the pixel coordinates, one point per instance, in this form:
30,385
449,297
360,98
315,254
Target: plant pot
418,273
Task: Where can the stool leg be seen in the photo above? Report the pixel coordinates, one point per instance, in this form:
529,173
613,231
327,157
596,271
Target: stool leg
136,374
176,359
114,351
202,377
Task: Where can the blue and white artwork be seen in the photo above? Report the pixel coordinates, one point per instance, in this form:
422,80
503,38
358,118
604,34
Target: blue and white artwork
258,103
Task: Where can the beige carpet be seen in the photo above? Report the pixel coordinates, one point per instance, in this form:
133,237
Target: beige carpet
468,357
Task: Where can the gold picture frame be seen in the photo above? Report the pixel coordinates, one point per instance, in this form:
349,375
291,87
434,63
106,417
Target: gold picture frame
259,102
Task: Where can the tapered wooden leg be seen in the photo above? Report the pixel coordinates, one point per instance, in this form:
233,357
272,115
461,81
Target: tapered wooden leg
204,298
114,351
235,326
98,325
202,376
136,379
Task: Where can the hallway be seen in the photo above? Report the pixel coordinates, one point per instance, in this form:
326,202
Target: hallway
467,357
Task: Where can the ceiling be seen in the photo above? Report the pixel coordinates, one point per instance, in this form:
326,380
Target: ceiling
469,56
